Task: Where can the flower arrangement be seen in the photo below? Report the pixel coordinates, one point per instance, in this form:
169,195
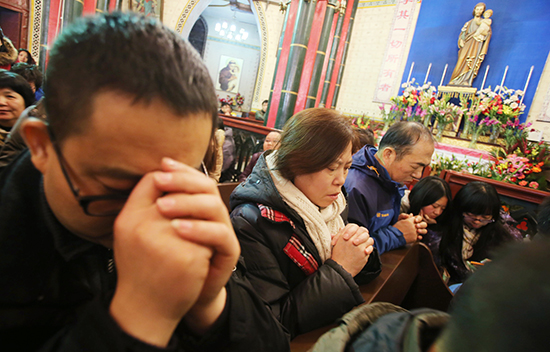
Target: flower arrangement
518,170
444,113
239,99
412,105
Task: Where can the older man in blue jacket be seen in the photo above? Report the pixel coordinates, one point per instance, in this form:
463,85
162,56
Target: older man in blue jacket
375,184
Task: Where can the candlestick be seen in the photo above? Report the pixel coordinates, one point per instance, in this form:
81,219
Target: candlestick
526,84
443,76
410,72
485,77
428,73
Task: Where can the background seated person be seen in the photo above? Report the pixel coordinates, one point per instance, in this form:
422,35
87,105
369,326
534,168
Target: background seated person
24,56
430,198
226,109
375,184
301,257
271,141
32,74
365,136
110,236
476,228
260,115
15,95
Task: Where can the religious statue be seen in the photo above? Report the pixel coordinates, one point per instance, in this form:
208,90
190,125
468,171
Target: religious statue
472,43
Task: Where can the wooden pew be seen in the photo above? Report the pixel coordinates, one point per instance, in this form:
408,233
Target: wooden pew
225,191
409,278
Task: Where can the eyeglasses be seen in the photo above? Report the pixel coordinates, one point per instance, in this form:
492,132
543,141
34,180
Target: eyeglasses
472,218
102,205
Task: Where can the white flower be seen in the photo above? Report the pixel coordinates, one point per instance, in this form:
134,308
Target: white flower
519,92
403,85
514,105
406,94
508,101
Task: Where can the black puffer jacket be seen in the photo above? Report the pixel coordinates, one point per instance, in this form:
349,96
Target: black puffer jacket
283,264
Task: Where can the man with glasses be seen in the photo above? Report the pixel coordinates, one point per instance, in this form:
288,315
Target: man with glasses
375,184
111,236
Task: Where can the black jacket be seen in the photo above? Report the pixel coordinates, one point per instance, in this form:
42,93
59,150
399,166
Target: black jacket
55,287
283,264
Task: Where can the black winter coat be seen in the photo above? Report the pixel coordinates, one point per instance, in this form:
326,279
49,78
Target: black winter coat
55,287
283,263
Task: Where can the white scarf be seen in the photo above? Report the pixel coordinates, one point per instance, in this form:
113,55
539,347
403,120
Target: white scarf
320,223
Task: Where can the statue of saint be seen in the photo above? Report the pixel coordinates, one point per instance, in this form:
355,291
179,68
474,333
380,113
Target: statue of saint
472,43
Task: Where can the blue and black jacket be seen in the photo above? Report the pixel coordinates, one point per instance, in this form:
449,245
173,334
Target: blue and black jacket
374,199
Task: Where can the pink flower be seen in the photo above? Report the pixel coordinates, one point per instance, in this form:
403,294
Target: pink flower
523,183
533,185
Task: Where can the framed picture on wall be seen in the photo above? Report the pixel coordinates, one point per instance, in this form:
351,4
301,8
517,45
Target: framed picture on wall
229,74
150,8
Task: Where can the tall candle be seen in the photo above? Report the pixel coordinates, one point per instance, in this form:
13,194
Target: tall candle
503,78
485,77
427,73
410,72
526,84
443,76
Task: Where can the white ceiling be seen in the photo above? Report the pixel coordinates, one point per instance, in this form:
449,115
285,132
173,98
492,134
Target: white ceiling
225,12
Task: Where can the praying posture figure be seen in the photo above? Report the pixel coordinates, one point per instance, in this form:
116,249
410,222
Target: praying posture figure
473,43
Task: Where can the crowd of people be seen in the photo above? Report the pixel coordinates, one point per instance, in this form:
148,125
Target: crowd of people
113,237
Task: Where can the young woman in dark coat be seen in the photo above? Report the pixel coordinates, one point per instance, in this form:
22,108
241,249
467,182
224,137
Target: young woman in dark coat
301,257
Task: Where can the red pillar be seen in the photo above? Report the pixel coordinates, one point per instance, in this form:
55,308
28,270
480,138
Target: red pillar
309,60
89,7
281,68
325,64
340,53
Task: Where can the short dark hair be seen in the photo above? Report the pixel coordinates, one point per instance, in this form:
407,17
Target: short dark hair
428,191
543,218
30,59
504,305
265,101
18,84
128,53
403,135
225,104
311,141
364,136
31,73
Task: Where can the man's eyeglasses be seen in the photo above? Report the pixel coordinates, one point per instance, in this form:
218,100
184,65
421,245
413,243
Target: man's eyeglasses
101,205
473,218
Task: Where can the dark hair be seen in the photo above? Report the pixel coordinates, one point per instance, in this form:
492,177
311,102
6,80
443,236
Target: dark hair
543,218
504,306
311,141
428,191
225,104
128,53
403,135
30,59
479,198
265,101
18,84
31,73
364,136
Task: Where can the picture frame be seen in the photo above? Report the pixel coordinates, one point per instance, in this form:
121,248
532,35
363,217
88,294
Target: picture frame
229,74
149,8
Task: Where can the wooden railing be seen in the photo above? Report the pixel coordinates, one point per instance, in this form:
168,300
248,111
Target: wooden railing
457,179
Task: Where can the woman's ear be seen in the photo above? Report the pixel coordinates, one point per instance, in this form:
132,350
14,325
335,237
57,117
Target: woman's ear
35,134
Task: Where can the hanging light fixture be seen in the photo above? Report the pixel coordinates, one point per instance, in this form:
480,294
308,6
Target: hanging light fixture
229,31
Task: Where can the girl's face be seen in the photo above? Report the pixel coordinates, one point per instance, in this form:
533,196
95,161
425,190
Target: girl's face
476,221
22,57
435,209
